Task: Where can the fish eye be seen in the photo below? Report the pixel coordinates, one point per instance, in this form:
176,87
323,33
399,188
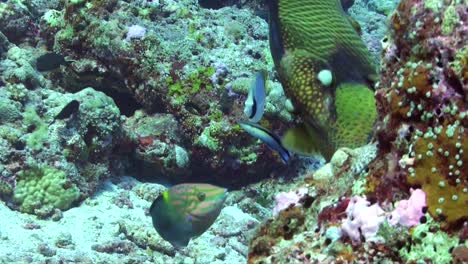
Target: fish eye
201,196
325,77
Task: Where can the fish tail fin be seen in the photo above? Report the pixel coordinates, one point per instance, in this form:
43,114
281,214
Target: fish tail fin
305,140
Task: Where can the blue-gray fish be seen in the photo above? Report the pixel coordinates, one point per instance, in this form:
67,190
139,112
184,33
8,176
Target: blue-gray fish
267,137
186,210
255,103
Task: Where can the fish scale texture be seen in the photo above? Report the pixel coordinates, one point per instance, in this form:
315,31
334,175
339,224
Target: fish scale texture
323,29
317,35
308,89
356,112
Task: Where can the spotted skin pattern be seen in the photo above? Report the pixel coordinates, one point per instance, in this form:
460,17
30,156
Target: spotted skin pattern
306,37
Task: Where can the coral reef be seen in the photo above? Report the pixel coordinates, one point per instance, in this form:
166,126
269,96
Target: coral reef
423,136
156,89
79,145
165,58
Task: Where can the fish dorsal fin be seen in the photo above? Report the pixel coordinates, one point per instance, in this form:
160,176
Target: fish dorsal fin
275,38
355,24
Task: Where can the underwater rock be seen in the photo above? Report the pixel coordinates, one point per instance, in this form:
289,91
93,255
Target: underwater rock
18,68
423,133
74,144
165,104
283,234
179,67
158,142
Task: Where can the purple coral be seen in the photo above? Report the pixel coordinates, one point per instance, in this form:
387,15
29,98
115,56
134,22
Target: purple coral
362,219
221,71
135,32
285,199
409,212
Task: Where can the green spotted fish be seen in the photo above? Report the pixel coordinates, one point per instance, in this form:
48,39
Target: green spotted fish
326,70
186,210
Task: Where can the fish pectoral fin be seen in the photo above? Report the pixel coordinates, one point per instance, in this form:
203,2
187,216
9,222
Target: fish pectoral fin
301,141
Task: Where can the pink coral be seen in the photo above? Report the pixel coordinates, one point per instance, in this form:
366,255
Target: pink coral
409,212
286,199
362,219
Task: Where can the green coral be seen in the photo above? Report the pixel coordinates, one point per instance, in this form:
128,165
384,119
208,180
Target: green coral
8,110
433,246
246,155
17,92
44,187
356,113
196,81
64,35
54,18
38,137
460,64
207,139
433,5
5,10
11,134
450,20
241,85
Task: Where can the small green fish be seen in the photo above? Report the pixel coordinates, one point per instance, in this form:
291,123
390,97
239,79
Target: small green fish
326,70
186,210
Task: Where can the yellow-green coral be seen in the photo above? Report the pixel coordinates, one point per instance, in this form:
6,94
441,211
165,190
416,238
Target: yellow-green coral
44,187
450,20
36,139
440,168
427,245
356,112
197,80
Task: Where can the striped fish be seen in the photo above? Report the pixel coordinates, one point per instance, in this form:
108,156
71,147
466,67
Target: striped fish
324,68
267,137
186,210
